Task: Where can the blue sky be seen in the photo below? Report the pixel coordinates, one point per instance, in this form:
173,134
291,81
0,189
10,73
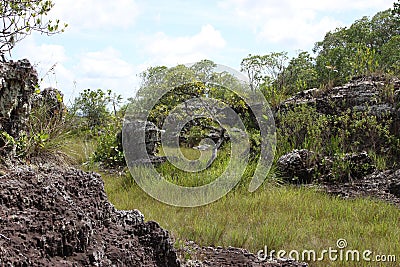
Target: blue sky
108,43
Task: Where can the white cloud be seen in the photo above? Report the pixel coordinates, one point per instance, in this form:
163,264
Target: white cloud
106,69
48,59
44,53
298,23
96,14
164,49
104,64
338,5
317,5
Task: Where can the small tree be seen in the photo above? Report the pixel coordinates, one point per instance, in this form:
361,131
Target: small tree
92,105
20,18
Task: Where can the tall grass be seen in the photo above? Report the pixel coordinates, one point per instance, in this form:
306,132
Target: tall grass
279,217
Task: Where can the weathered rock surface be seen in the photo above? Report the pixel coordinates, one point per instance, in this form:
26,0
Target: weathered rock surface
383,185
140,140
361,94
53,217
193,255
17,85
303,166
297,166
51,100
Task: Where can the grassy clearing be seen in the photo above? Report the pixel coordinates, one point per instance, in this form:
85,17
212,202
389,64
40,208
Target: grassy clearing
277,217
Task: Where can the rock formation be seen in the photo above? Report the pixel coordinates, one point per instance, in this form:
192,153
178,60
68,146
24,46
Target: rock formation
303,166
51,216
18,81
51,100
376,95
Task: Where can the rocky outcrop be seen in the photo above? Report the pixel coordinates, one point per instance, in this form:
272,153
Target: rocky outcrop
304,166
377,95
53,217
383,185
297,166
18,81
51,101
129,140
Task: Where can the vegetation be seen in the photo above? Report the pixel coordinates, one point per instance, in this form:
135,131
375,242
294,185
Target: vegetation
281,217
20,18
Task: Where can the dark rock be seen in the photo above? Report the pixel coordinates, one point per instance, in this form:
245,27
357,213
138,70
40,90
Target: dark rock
51,101
140,140
383,185
394,189
18,82
360,94
53,217
297,166
303,167
360,164
192,255
394,186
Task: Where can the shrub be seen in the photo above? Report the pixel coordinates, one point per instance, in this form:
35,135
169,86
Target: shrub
109,147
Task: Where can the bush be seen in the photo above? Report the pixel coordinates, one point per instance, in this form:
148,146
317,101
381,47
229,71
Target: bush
109,146
337,135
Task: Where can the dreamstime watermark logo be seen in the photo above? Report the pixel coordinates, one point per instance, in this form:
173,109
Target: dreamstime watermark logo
338,253
137,136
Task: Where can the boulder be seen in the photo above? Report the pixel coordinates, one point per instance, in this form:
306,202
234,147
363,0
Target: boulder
54,217
394,186
135,151
303,166
360,164
297,166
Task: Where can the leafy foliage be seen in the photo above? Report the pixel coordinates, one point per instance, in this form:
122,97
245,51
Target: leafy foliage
108,149
21,17
181,83
265,70
360,49
46,133
92,107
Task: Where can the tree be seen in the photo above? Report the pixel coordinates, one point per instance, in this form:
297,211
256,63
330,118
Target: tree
22,17
182,83
360,49
253,66
264,69
300,73
92,105
396,9
203,70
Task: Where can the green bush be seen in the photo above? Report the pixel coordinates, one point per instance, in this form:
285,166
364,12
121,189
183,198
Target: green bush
335,135
108,149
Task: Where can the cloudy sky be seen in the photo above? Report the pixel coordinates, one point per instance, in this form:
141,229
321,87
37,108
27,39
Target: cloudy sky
108,43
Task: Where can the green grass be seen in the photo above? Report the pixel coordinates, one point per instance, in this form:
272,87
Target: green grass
79,149
277,217
192,179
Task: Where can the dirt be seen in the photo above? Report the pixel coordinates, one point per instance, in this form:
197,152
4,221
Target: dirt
192,255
